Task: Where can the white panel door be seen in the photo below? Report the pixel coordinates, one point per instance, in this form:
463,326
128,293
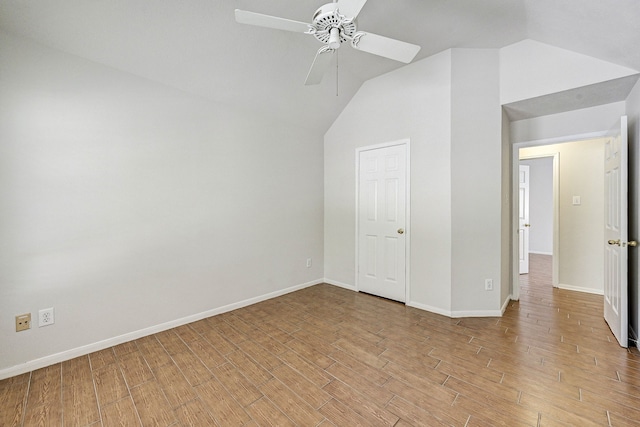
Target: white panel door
615,233
523,219
382,199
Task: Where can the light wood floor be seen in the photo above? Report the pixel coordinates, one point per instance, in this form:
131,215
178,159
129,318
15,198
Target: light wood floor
326,356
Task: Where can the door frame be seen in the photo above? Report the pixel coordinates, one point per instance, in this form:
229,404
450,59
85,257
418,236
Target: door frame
515,161
523,228
555,260
407,228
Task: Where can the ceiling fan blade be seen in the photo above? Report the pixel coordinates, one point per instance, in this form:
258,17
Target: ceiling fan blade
320,65
350,8
252,18
384,46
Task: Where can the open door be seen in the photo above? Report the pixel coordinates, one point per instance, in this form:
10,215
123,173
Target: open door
523,219
615,233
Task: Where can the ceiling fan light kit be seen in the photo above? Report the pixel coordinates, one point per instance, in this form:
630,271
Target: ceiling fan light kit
333,24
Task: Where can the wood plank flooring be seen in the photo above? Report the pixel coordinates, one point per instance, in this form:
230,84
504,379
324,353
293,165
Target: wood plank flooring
326,356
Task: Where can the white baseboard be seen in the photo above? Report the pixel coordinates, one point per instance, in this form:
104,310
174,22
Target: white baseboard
540,253
476,313
429,308
505,305
457,314
101,345
437,310
339,284
580,289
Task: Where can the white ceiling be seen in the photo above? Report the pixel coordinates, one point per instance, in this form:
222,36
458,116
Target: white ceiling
198,47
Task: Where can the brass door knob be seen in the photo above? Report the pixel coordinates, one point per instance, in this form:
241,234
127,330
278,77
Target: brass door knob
614,242
527,225
632,243
400,230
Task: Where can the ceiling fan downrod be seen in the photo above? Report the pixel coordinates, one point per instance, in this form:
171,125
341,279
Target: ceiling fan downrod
334,38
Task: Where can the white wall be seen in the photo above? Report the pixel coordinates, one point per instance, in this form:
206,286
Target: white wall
529,69
587,122
448,106
540,204
130,206
438,103
413,103
633,112
127,205
581,173
476,173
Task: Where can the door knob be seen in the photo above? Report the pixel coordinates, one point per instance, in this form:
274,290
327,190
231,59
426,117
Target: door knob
527,225
614,242
632,243
400,230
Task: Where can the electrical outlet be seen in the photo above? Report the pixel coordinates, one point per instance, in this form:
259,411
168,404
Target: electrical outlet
23,322
488,284
308,262
45,317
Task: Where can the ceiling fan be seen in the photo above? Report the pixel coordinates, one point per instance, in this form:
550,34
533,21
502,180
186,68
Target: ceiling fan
333,24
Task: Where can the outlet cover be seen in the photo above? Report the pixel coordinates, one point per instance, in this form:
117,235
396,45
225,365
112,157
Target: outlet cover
45,317
23,322
488,285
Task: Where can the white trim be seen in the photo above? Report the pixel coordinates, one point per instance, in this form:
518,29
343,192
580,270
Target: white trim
407,228
457,314
561,139
340,284
581,289
555,261
101,345
515,221
476,313
383,145
505,305
429,308
541,253
407,253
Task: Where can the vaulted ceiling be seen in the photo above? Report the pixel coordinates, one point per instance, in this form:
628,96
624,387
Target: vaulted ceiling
197,46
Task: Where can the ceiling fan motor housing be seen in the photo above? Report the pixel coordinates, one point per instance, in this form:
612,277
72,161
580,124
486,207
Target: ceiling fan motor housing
328,17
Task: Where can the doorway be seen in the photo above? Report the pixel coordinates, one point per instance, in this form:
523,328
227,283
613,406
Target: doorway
543,209
578,210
